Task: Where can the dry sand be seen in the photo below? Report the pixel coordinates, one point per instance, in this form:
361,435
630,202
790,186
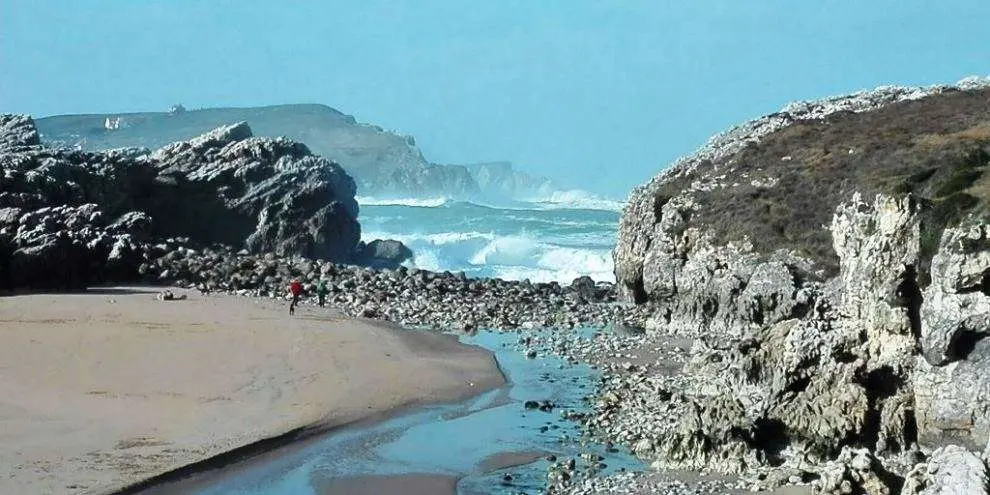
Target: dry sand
105,389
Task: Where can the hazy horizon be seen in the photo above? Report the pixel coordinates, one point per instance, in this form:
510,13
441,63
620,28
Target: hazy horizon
596,96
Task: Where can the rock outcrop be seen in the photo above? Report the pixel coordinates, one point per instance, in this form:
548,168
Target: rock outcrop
272,195
843,351
67,247
225,187
16,132
948,470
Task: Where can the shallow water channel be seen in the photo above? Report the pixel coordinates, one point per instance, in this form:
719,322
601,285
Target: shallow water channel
470,440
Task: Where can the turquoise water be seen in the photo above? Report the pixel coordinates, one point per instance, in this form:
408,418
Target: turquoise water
450,439
536,240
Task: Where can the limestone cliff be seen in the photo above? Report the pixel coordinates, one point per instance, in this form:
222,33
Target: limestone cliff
833,260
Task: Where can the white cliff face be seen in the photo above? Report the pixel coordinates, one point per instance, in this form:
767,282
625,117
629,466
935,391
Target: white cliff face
952,384
785,364
957,303
878,248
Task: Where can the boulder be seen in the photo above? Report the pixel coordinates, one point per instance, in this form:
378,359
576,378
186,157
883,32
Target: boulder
949,470
383,253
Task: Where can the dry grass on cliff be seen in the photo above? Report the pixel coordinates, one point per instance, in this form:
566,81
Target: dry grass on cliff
937,148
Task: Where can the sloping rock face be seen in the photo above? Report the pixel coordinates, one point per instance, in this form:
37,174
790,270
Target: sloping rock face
67,247
269,194
226,187
17,131
841,351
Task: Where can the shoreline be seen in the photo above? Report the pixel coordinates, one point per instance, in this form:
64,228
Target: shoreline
198,474
73,422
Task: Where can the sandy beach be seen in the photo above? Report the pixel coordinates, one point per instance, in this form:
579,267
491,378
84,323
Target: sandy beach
105,389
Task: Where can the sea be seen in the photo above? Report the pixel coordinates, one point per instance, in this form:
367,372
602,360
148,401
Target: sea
555,238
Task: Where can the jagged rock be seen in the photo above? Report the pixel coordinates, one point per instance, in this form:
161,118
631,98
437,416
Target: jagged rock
949,470
260,194
952,381
67,247
956,308
708,189
269,195
786,364
855,471
17,132
807,339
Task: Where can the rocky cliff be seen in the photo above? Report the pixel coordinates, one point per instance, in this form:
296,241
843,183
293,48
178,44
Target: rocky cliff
832,262
382,163
69,217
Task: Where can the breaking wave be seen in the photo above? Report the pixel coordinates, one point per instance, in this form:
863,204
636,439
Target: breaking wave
540,242
578,199
514,257
417,202
571,199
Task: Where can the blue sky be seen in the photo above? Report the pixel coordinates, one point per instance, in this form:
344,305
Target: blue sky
599,95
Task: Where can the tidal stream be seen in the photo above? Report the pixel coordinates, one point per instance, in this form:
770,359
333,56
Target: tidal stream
475,442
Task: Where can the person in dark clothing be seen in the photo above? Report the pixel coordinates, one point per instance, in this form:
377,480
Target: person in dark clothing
321,292
295,290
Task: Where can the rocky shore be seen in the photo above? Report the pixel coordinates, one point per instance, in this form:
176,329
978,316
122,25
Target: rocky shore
803,302
858,371
71,218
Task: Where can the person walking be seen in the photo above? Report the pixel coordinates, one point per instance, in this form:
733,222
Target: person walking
295,290
321,292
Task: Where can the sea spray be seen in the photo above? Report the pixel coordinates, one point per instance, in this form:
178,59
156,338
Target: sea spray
517,241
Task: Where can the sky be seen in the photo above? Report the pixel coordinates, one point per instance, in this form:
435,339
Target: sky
595,94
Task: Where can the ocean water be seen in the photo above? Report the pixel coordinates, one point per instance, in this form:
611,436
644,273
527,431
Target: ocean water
557,238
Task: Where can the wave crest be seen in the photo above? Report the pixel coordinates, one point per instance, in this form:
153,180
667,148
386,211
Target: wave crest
512,257
417,202
577,199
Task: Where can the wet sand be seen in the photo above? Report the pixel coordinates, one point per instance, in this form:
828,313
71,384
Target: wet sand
101,390
505,460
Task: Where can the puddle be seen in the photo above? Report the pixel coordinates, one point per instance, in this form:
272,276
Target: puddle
454,440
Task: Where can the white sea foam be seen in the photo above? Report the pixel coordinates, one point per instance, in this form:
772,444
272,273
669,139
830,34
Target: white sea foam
513,257
577,199
569,199
420,202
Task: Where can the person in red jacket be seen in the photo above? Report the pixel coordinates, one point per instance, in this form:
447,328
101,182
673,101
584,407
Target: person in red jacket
295,290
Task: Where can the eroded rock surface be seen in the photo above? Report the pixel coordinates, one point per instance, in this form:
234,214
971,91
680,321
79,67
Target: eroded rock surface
844,363
226,187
